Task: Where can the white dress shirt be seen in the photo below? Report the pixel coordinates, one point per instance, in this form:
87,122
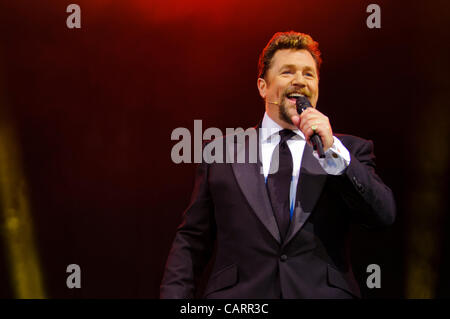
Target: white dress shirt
336,160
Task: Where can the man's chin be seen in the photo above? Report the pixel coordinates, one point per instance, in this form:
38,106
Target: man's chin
286,120
286,117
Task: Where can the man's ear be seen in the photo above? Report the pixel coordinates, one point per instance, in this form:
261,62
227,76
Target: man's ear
262,86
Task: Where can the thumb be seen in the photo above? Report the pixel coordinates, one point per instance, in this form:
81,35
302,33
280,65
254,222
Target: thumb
296,120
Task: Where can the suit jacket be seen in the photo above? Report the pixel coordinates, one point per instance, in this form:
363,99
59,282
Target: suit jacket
230,207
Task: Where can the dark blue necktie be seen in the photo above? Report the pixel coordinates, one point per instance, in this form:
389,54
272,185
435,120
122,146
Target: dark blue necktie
279,182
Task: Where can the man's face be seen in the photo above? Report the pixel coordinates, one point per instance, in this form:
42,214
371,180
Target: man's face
292,71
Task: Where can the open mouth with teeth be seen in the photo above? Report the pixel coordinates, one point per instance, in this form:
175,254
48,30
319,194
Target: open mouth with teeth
292,97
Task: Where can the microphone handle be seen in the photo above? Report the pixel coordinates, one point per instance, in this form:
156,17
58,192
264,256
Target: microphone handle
302,103
316,141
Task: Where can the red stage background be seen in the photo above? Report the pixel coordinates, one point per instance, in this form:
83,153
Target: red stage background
94,108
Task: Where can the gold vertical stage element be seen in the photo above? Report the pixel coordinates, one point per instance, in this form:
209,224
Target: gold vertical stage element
430,156
16,227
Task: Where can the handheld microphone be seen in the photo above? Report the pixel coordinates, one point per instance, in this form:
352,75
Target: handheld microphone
302,104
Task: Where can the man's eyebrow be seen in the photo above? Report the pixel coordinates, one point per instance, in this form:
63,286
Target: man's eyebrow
307,67
288,66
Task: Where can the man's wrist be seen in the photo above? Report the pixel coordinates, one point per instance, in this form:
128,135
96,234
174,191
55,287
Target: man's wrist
338,150
337,158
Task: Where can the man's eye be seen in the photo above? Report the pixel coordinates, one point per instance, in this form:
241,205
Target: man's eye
287,72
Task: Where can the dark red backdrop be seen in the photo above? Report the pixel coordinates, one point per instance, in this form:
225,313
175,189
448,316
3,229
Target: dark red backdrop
94,109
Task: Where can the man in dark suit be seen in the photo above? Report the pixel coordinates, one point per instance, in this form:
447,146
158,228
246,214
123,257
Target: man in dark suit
279,224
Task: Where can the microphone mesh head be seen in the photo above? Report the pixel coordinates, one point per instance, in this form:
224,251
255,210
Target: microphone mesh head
302,104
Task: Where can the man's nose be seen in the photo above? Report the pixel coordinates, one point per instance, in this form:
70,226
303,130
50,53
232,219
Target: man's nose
299,80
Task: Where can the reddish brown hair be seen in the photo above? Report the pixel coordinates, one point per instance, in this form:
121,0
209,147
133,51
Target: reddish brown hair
287,40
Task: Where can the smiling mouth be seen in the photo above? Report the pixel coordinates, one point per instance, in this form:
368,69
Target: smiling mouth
292,97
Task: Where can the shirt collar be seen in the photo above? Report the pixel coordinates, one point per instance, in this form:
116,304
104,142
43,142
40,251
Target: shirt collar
269,127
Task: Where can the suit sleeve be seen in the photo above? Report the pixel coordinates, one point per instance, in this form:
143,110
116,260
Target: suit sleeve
193,243
370,202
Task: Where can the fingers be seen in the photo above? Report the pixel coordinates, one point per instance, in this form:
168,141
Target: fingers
317,128
312,121
309,119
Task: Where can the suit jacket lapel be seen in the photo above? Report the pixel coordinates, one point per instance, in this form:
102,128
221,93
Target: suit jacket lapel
250,178
311,182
